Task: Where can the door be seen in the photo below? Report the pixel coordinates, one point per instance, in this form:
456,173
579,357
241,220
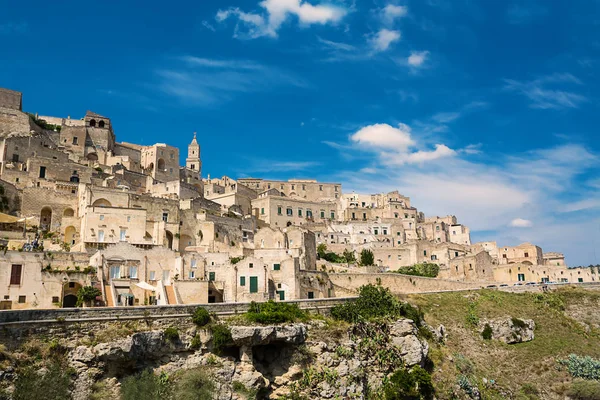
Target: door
254,284
281,295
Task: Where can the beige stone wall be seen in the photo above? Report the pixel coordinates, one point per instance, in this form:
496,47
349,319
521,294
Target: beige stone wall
191,292
536,273
523,253
309,190
11,99
278,211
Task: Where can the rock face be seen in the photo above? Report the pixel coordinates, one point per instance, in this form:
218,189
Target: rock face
510,330
278,360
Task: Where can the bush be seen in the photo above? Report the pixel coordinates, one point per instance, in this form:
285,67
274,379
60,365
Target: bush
367,257
196,342
487,332
273,312
52,385
145,385
375,302
201,317
193,384
584,390
221,337
171,334
582,367
429,270
87,294
409,385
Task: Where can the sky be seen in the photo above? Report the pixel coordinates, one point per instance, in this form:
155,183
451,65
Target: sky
486,110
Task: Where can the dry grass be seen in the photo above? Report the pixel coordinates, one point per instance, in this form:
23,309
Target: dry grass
510,366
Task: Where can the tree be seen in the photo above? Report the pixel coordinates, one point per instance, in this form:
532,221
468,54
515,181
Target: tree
367,257
322,250
87,294
349,256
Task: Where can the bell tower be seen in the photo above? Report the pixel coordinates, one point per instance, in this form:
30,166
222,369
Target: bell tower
192,162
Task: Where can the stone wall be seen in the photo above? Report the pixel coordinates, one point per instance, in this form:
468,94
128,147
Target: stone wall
11,99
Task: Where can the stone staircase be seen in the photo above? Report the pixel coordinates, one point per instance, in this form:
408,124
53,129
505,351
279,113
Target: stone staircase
171,298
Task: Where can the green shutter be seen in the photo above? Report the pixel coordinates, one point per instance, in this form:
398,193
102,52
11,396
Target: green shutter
262,210
281,295
276,267
254,284
242,281
211,276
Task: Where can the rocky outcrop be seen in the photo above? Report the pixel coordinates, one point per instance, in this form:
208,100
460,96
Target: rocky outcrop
403,334
261,335
509,330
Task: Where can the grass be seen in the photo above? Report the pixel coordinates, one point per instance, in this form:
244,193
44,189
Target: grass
557,335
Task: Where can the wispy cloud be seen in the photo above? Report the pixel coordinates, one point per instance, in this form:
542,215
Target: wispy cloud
547,92
525,13
328,44
251,25
390,13
521,223
204,81
208,26
382,40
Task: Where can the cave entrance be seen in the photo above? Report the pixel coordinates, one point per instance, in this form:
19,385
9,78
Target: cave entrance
274,359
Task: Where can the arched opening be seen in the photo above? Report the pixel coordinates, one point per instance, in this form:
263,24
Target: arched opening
92,157
92,122
68,212
102,203
70,233
186,241
46,218
74,179
169,240
101,124
69,301
527,263
151,167
161,164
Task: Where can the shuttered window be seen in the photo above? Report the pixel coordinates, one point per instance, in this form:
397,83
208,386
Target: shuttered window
15,274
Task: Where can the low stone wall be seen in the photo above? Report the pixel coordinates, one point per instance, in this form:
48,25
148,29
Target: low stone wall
349,283
71,315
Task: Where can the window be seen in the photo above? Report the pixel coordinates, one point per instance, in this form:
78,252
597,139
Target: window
399,257
165,216
15,274
289,212
376,232
433,257
55,299
322,214
405,215
332,215
526,254
437,228
521,277
101,236
262,211
299,212
192,274
242,281
309,213
15,158
321,188
311,295
128,218
503,255
123,235
254,284
71,284
336,188
193,263
454,232
353,216
211,276
303,187
75,138
101,217
424,252
115,272
22,299
152,275
385,231
133,272
42,172
293,187
278,210
456,254
364,216
580,280
276,267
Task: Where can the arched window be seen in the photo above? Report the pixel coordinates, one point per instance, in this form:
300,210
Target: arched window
92,122
101,124
160,164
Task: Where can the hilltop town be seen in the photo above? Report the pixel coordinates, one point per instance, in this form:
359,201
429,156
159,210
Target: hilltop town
81,209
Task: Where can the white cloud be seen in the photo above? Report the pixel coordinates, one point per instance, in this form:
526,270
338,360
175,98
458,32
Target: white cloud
276,14
418,157
544,97
208,26
384,136
336,45
417,58
520,223
392,12
382,40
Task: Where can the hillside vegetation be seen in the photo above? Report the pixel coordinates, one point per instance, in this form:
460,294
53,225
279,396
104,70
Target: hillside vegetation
567,322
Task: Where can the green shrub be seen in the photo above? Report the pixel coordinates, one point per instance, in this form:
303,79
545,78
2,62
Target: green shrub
429,270
86,294
409,385
221,337
367,257
487,332
584,390
584,367
145,385
273,312
201,317
196,342
171,334
193,384
52,385
375,302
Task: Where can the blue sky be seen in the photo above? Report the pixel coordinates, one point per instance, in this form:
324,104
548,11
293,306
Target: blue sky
482,109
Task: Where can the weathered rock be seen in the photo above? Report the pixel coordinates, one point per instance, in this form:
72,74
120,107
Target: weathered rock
261,335
403,333
510,330
81,354
141,345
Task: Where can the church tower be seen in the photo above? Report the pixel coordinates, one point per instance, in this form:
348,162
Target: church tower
192,162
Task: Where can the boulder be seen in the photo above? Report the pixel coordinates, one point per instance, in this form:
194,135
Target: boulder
139,346
261,335
403,334
510,330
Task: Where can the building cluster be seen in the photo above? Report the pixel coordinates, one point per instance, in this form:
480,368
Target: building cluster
130,221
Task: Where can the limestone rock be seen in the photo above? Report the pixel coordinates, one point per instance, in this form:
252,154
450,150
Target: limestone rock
261,335
510,330
403,333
